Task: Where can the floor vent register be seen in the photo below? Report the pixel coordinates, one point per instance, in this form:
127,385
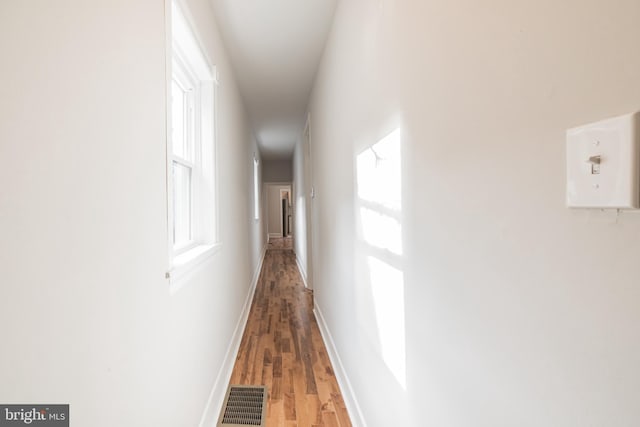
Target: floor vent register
244,406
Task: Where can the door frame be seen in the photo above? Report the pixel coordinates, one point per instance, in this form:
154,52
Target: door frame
266,189
309,196
286,191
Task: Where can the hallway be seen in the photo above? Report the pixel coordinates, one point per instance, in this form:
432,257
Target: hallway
282,348
421,150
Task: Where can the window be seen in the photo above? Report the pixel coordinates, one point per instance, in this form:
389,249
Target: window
256,189
184,167
190,152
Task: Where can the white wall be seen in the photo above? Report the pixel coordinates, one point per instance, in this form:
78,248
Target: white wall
277,170
87,315
517,311
299,212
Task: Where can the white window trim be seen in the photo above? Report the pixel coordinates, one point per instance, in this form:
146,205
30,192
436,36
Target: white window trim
185,261
186,78
187,264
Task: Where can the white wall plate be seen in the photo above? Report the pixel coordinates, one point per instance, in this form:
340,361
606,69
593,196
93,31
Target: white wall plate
603,164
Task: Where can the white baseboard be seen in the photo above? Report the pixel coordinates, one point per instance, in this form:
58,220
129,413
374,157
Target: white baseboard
303,273
275,235
216,396
357,419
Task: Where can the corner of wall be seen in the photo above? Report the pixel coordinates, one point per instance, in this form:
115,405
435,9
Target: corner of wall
355,413
219,389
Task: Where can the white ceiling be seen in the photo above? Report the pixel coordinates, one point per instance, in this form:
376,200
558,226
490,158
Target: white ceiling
275,48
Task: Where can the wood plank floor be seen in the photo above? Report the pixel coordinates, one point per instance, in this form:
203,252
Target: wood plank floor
282,349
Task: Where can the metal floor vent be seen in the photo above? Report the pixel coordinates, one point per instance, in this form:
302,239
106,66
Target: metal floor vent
244,406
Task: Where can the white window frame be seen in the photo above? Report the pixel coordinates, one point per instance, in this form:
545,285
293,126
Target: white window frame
189,67
192,160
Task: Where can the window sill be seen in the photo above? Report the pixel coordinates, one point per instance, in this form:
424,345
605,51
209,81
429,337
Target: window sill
187,263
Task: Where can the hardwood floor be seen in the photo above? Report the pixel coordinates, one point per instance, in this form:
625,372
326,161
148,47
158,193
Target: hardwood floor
282,349
281,243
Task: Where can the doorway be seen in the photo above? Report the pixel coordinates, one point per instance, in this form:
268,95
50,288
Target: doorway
279,210
285,211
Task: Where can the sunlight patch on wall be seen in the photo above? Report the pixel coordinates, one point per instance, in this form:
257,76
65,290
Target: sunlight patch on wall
379,177
387,286
381,231
379,217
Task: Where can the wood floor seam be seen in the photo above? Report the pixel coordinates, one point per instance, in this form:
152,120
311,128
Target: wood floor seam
282,348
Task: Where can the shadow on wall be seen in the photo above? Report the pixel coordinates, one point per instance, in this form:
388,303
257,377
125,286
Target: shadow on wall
381,306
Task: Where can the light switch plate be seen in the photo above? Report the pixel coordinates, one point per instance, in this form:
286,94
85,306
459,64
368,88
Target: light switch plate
603,164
